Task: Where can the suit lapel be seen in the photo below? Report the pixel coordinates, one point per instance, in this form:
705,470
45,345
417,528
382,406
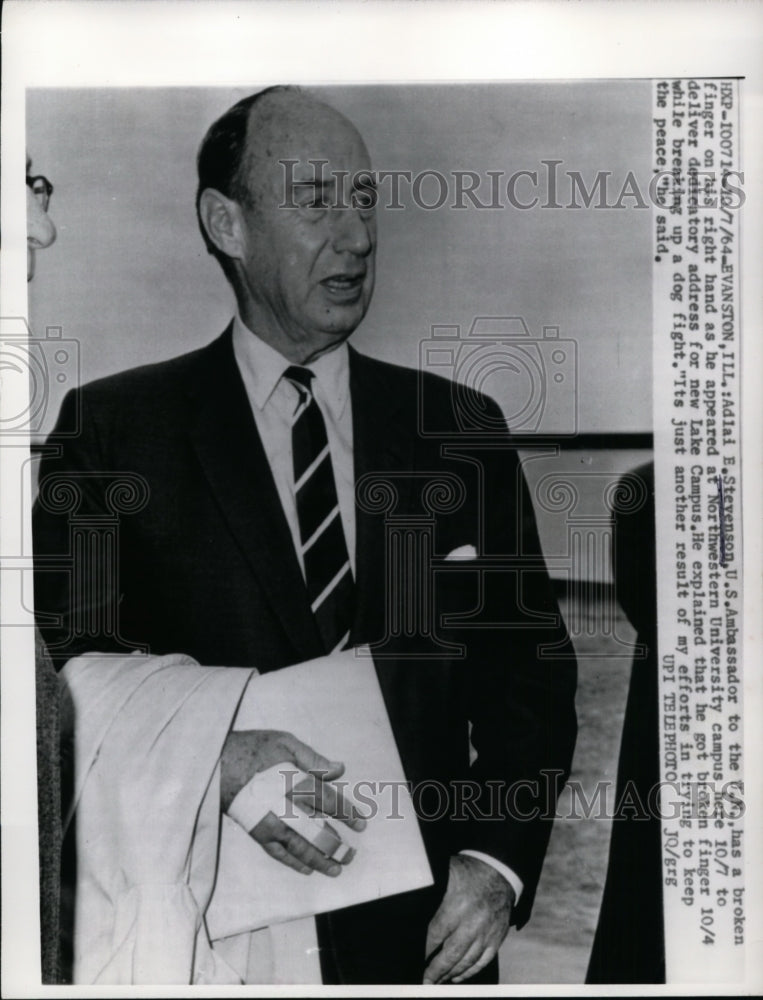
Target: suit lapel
383,445
231,454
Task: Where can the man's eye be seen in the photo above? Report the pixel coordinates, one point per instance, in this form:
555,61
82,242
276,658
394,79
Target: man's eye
365,197
365,203
313,204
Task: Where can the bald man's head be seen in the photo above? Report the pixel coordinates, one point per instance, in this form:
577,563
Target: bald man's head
253,135
281,205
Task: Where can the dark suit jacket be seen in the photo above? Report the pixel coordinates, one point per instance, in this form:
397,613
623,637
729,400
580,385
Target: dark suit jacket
206,566
629,944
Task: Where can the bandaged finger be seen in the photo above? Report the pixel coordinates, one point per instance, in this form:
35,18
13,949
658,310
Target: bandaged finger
266,793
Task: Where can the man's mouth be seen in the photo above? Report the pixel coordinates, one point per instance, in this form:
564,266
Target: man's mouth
344,287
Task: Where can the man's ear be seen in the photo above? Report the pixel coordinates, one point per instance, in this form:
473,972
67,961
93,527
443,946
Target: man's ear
221,218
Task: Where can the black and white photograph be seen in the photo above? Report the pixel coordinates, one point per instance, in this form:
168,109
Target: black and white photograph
372,455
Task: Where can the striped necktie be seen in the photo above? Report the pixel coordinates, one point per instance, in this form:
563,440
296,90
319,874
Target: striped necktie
328,574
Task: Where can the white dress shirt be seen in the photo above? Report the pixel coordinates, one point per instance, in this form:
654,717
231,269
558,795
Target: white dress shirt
273,400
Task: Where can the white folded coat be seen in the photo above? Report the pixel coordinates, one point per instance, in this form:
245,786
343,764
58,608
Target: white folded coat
149,732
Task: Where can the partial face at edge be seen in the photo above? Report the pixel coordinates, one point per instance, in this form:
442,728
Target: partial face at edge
39,226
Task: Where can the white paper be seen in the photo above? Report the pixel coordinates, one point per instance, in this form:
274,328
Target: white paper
334,705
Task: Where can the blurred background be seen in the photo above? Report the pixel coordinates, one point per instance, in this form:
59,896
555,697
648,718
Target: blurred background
563,338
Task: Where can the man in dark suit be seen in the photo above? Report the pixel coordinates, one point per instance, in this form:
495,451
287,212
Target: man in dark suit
228,562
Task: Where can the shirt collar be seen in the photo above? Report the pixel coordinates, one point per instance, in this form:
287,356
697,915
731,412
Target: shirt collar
262,367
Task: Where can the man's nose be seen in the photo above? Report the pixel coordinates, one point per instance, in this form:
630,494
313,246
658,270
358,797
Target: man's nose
351,232
40,231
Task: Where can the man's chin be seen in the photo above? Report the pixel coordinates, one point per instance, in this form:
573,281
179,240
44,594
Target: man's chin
342,320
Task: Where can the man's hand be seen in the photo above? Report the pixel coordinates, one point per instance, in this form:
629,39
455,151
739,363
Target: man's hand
246,752
471,923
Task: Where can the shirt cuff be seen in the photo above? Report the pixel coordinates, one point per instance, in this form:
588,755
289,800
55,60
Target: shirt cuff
511,876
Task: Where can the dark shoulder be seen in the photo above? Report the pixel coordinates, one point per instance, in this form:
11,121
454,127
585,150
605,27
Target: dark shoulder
424,390
149,401
148,380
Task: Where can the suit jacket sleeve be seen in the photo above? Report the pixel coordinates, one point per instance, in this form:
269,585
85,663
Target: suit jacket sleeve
75,586
520,684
